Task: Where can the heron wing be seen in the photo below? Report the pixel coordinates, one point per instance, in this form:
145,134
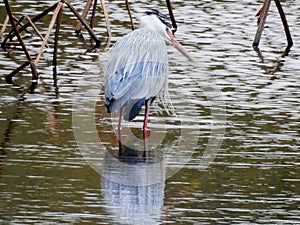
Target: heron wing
137,68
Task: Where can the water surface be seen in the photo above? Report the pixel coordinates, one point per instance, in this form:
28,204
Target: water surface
242,105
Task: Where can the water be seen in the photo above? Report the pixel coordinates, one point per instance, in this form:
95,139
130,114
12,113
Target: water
230,150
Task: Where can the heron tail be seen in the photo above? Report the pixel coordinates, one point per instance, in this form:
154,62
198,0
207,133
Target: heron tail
132,108
108,104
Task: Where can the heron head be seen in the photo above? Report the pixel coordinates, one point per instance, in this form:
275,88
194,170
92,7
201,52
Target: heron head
158,22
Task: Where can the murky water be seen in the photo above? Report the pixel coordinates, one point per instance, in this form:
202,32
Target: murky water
228,154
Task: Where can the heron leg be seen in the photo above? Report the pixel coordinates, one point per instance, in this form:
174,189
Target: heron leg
119,131
145,152
145,126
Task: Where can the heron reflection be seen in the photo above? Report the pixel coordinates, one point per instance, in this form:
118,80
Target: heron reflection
133,185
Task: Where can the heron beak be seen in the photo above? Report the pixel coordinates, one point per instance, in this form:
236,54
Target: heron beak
180,48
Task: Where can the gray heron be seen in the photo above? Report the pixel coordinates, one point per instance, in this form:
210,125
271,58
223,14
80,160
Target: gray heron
138,66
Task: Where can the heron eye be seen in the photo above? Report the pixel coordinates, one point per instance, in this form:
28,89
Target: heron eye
169,25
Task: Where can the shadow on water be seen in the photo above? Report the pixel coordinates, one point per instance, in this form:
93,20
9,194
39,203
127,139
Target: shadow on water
133,185
277,65
22,102
10,125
